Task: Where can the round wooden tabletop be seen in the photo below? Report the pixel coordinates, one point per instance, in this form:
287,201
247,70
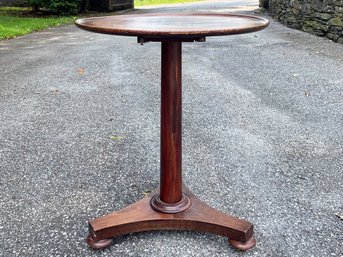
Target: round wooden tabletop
174,25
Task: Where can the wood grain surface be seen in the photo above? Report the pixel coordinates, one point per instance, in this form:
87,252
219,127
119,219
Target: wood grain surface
174,25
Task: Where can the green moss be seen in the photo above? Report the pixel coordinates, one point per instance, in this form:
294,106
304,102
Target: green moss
315,27
323,16
295,11
337,21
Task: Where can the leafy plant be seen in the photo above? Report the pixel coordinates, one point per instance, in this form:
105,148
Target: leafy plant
36,4
63,7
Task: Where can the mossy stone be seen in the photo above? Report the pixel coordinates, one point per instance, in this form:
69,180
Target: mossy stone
337,21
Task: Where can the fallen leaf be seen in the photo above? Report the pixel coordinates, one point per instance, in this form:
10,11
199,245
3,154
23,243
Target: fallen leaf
81,71
116,137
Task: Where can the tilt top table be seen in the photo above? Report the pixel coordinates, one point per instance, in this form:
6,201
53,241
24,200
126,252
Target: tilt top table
171,206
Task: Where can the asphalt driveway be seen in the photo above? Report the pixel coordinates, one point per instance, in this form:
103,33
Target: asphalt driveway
263,139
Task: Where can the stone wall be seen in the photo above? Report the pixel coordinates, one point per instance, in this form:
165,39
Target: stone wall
320,17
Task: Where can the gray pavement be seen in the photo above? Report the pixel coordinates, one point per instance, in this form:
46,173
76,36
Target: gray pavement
263,139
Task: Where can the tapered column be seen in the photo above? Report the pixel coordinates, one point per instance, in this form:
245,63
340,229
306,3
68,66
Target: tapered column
171,124
171,199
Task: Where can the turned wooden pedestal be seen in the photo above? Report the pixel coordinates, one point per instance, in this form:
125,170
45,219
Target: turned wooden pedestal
172,206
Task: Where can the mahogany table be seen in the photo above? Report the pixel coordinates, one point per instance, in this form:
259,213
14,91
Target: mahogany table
171,206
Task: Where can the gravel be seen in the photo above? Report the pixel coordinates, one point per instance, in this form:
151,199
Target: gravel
263,139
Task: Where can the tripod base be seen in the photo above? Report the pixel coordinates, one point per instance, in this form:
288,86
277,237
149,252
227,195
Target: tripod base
141,216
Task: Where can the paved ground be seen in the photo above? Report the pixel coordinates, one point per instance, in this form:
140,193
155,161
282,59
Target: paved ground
263,139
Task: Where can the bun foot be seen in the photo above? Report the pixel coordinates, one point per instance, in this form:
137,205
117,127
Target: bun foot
243,246
100,244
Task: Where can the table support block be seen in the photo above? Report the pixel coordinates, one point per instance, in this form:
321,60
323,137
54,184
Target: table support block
199,217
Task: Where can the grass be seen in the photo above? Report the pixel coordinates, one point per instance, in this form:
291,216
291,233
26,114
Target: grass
19,21
15,21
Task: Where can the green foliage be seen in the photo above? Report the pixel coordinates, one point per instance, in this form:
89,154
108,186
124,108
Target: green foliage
64,7
38,3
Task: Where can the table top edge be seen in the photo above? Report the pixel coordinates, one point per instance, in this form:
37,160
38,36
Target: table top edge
263,23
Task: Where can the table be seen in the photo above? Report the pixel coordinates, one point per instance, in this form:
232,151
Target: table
171,206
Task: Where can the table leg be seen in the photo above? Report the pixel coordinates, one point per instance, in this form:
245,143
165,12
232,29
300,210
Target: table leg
171,199
172,206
